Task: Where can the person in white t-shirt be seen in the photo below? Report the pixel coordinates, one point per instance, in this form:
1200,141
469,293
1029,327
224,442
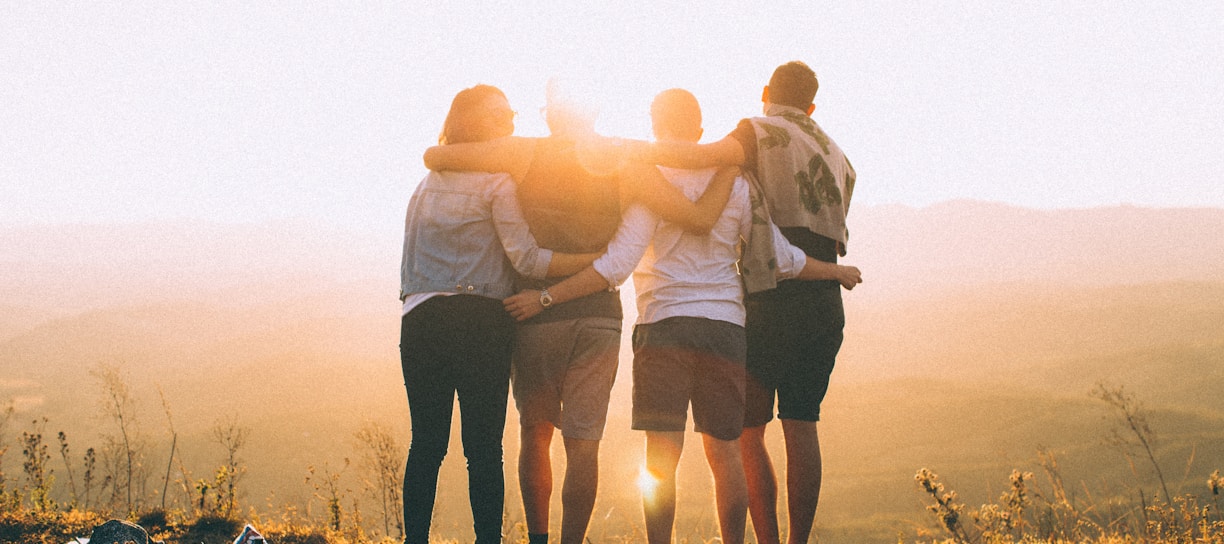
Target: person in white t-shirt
689,341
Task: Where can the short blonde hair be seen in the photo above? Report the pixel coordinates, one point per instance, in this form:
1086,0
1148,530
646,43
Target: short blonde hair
676,113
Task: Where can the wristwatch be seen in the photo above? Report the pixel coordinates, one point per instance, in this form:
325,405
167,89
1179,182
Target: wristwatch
545,299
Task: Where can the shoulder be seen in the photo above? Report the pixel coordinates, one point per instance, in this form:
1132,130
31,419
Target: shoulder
689,178
744,128
746,132
466,180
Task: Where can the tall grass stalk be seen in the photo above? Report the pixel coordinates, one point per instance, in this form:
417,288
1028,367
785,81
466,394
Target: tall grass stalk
118,404
1133,417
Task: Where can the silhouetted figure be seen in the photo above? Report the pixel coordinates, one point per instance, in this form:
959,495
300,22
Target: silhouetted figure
794,327
464,238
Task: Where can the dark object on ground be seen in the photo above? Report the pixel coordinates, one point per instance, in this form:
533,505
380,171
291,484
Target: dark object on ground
117,531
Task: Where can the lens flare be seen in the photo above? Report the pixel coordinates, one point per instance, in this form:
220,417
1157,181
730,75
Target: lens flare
647,483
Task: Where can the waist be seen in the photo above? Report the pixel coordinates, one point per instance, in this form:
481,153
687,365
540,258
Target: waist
456,286
600,304
816,246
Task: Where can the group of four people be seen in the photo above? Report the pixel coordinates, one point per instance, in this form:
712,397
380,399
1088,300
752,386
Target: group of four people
546,240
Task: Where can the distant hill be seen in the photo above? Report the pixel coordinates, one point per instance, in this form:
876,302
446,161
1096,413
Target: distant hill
78,267
904,250
1040,334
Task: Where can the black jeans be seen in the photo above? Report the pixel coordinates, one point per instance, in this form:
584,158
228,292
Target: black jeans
450,345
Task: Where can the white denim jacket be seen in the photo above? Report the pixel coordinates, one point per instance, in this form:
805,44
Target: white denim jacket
465,234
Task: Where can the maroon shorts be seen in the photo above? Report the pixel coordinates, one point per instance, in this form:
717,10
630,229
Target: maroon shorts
689,359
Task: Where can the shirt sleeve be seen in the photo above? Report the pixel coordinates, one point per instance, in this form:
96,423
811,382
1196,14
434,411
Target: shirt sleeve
628,245
790,259
745,134
525,254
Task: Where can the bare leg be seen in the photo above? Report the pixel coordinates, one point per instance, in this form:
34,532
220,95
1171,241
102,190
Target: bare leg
579,488
730,488
762,485
803,475
535,475
662,455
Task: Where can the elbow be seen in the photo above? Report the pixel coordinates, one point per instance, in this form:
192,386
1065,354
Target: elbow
530,264
530,270
431,159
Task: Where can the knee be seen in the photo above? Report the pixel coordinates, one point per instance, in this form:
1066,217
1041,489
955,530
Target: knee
752,438
426,453
483,455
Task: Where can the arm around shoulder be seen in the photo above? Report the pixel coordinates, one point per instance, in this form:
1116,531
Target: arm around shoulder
725,152
645,185
510,154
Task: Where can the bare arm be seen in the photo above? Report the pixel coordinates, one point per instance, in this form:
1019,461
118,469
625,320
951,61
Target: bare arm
566,264
624,251
794,263
691,155
526,304
644,184
510,154
847,276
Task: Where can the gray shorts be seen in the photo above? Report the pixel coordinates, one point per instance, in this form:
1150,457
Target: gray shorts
562,373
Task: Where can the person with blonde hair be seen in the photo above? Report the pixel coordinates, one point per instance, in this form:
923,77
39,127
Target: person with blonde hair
464,240
565,359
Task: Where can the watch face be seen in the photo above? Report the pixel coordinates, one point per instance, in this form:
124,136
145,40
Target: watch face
545,299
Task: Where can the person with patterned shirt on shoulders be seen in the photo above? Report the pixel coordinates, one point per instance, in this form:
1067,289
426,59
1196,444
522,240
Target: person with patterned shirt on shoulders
804,183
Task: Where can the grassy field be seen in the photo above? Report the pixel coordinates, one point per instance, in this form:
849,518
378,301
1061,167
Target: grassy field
945,405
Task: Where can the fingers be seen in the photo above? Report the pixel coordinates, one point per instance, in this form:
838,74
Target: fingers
851,277
522,306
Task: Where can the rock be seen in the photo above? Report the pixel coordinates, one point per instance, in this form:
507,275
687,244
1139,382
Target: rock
118,531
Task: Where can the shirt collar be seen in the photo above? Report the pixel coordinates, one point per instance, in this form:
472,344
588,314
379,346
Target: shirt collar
779,109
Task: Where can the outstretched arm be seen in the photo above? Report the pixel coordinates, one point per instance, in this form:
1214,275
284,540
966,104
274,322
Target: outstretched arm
567,264
525,254
624,251
526,304
847,276
644,184
691,155
793,263
511,154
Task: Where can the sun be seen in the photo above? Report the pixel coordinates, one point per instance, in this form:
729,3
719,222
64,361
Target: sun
647,483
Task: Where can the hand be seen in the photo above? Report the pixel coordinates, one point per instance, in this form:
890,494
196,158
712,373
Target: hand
524,305
849,276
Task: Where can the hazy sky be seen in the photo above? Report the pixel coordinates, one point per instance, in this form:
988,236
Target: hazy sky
250,111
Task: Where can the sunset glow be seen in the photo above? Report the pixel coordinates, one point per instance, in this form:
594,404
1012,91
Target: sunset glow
647,483
207,201
267,111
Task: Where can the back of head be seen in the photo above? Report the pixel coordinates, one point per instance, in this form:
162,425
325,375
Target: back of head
567,108
676,115
793,84
467,119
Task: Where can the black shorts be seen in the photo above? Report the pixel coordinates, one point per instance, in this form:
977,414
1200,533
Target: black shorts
683,359
794,334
